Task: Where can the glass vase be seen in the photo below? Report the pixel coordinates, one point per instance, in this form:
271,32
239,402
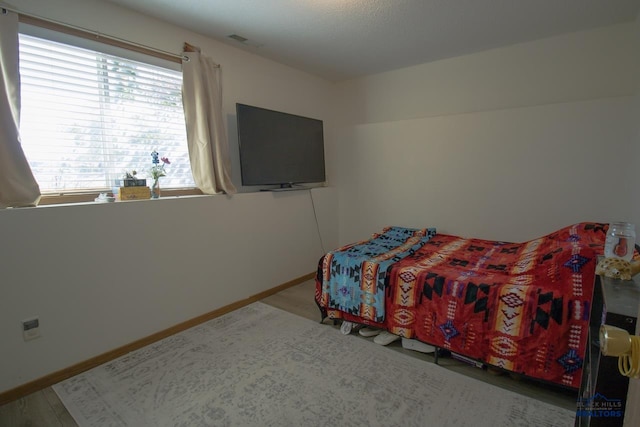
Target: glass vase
621,239
155,189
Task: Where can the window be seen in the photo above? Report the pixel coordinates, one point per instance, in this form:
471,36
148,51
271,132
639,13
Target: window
87,117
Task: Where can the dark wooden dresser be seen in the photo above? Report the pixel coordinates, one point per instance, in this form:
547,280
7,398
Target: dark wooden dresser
603,394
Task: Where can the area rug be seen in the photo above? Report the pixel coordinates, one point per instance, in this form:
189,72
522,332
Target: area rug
261,366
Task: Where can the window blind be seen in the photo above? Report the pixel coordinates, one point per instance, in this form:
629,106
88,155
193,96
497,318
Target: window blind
87,117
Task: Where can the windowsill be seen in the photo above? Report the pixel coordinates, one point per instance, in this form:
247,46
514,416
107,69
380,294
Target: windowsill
89,197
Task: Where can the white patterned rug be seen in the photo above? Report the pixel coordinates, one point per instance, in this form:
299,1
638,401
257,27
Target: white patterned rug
261,366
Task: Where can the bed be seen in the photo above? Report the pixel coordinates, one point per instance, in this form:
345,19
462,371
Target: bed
522,307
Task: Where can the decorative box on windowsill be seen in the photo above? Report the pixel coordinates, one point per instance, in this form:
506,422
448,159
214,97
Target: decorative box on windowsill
132,193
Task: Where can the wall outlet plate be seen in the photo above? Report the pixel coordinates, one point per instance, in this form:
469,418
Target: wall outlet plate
30,329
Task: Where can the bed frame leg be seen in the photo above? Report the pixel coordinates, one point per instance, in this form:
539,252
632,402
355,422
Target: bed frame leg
435,355
323,312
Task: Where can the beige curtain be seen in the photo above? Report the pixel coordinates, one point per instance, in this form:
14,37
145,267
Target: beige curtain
18,187
206,135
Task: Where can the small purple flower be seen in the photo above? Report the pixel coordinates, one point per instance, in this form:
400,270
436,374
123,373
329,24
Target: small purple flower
157,170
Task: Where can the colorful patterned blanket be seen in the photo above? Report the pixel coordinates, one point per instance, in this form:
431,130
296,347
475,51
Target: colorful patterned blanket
354,275
523,307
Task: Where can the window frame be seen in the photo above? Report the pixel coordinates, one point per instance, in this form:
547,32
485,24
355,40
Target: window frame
80,196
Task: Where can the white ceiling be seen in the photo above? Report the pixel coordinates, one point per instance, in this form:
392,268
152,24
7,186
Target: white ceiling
342,39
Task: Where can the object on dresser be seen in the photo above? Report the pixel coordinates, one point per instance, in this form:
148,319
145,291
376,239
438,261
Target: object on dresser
617,268
621,239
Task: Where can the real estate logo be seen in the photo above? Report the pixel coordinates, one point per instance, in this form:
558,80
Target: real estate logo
599,406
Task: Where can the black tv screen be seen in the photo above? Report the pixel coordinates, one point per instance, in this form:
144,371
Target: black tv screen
278,148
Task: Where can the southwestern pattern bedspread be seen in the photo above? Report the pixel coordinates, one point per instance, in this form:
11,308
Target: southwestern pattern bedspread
523,307
354,275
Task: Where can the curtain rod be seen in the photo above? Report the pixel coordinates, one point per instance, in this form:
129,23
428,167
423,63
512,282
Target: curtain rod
73,30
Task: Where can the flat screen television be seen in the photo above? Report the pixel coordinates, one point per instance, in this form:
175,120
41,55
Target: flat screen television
279,148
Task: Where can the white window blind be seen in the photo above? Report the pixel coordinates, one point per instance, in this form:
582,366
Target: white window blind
88,117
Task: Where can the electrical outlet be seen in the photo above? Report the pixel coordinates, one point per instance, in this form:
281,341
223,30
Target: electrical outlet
31,329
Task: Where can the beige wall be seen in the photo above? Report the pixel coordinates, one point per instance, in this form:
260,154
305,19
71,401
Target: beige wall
101,276
573,67
632,413
507,144
636,157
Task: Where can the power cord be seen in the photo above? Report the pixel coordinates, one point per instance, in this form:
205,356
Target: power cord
629,363
315,215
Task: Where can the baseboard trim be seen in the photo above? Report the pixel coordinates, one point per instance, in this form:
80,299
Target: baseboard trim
63,374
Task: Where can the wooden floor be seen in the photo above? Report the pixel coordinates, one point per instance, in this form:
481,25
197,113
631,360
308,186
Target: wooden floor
43,408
